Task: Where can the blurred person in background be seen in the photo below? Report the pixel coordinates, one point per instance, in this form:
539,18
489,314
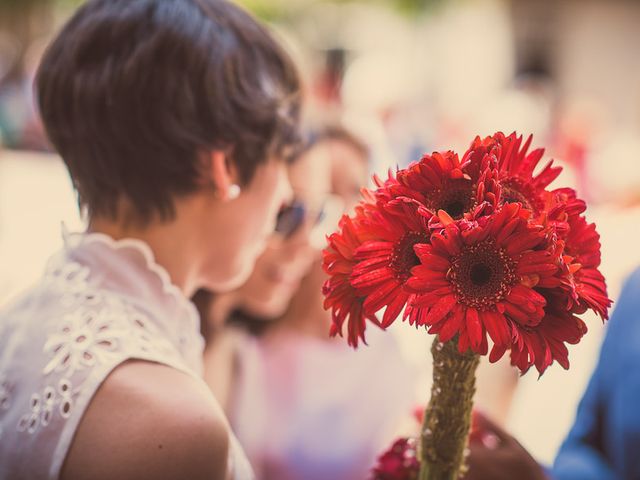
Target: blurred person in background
277,273
303,405
604,441
174,119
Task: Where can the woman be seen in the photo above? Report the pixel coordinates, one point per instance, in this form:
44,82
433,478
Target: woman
304,405
277,273
173,118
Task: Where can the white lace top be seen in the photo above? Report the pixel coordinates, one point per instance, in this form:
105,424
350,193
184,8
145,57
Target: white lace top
101,302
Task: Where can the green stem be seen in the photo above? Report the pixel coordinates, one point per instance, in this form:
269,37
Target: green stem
447,418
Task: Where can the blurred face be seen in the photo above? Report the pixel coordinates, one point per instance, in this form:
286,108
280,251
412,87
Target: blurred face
242,227
294,246
349,172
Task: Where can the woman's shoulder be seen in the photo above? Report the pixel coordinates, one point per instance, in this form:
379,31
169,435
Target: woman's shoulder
59,345
149,421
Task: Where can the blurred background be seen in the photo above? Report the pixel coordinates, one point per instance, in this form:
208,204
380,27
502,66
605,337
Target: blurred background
407,76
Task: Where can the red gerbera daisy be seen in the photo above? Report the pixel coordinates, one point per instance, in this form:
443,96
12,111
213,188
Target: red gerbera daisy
516,168
400,462
390,189
567,197
385,263
440,182
340,296
479,277
582,257
560,206
540,345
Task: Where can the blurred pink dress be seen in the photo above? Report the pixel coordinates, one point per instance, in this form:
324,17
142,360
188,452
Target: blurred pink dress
310,409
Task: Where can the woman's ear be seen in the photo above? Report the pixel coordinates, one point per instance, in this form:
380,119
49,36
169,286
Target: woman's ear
223,177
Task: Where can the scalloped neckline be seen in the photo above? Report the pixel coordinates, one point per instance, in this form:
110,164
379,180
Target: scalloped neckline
76,239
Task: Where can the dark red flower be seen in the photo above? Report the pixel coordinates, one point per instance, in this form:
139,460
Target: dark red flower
391,189
560,205
582,259
516,167
541,344
341,297
400,462
580,245
440,182
479,277
568,199
385,263
468,248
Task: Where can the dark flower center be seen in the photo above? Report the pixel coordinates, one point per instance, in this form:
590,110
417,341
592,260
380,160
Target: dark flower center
455,198
515,191
404,258
482,275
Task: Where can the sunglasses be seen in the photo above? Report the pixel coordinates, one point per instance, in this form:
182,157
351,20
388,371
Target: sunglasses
292,216
321,220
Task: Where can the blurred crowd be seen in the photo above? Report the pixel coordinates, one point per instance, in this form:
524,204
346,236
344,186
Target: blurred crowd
385,82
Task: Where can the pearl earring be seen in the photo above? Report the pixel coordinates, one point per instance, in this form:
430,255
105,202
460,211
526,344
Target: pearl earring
234,192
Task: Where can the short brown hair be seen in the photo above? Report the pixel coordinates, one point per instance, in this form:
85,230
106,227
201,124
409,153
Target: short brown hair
132,93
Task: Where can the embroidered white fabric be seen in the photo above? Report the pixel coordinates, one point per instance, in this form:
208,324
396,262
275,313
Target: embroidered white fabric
100,303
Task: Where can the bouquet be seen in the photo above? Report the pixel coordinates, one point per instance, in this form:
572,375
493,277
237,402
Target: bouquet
484,255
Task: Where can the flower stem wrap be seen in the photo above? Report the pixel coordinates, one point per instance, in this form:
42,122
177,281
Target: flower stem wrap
447,418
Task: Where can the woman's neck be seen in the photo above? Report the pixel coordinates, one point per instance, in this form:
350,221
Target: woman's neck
171,246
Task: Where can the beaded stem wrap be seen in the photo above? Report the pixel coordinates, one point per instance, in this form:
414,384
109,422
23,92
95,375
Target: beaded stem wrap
447,418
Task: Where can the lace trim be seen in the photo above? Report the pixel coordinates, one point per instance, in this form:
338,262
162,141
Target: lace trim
74,239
